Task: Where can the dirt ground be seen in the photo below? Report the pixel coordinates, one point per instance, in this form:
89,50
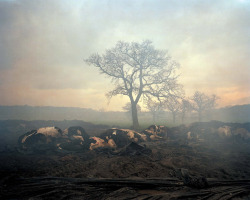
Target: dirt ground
102,174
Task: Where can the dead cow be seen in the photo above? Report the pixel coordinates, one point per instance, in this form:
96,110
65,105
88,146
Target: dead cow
155,132
123,137
189,137
53,138
76,139
76,133
224,131
99,142
43,138
241,133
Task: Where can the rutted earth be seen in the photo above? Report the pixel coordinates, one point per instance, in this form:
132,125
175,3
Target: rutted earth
202,160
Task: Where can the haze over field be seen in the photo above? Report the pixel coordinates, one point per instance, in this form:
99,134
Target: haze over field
43,44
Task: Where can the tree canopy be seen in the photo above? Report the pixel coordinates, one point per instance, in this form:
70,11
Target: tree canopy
202,102
138,70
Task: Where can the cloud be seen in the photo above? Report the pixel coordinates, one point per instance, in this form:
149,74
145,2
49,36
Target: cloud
43,45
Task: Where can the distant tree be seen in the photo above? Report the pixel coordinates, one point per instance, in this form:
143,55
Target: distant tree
137,70
202,103
186,107
154,108
174,106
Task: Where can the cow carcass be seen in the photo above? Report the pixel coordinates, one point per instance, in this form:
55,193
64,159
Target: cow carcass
99,142
77,139
123,137
53,138
241,133
117,138
155,132
41,139
224,131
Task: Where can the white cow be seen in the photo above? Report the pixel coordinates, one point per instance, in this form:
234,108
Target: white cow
224,131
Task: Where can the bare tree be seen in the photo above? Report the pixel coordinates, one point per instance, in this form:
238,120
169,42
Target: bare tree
154,108
138,69
174,106
186,107
202,103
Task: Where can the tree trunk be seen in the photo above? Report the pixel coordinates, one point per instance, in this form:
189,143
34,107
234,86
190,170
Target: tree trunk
134,116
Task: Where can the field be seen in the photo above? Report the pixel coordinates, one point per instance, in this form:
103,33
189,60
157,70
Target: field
174,168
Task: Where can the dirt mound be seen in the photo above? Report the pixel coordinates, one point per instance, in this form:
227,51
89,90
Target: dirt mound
135,149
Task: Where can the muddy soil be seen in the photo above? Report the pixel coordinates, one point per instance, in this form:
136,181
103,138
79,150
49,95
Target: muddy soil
105,175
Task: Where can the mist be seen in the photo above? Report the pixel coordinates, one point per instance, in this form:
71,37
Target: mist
124,99
43,45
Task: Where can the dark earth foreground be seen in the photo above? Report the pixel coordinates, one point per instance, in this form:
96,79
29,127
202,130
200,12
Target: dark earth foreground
173,169
78,188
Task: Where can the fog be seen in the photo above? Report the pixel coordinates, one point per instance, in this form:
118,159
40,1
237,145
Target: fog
43,45
178,125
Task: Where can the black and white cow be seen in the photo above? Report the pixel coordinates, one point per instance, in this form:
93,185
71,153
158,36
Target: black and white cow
53,138
117,138
155,132
41,139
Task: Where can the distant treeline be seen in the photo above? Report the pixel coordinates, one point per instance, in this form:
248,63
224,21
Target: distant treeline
238,113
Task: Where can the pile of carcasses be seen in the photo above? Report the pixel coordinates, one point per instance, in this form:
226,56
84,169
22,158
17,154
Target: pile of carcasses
76,139
212,131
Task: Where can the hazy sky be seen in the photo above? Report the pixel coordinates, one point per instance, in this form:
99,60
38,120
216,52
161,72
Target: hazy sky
43,44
